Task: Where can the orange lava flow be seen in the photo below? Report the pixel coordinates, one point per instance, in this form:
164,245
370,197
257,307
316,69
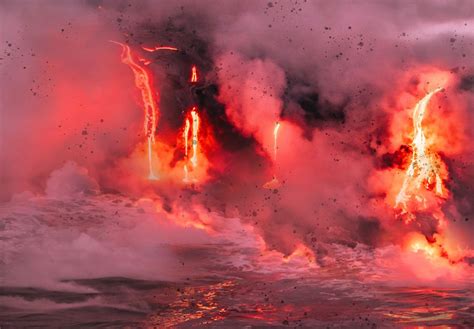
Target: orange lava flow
185,138
274,183
152,49
144,82
423,188
195,119
425,166
194,77
191,131
275,139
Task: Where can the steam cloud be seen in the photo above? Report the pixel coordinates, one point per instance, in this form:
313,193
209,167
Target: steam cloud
334,84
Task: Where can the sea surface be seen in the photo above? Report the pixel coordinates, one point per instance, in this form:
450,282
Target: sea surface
112,262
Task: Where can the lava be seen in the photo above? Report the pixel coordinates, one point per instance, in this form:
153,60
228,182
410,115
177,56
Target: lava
195,119
152,49
275,140
425,169
274,183
143,81
191,129
288,166
194,76
423,191
185,139
434,249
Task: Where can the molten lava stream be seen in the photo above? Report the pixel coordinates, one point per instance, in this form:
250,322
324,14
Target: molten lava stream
425,169
144,82
185,138
152,49
194,77
274,183
193,117
422,187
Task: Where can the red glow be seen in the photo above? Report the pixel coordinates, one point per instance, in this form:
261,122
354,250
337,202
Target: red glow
301,251
185,139
194,76
152,49
274,183
421,186
192,124
422,127
195,141
433,249
144,82
426,169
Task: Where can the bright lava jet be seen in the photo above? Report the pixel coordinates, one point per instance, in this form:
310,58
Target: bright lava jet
425,166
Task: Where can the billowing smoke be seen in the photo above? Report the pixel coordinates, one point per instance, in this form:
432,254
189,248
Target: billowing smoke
341,89
64,95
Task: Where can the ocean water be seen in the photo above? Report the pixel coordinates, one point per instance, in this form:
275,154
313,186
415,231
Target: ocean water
112,262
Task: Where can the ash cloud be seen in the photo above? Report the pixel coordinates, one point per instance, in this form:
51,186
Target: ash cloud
64,95
331,72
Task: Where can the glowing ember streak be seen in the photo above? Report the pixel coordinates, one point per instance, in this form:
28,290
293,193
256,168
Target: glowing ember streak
194,77
275,139
151,174
195,119
145,62
152,49
185,137
143,82
274,183
191,128
424,167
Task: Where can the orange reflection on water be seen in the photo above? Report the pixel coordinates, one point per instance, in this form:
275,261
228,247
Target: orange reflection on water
193,303
424,306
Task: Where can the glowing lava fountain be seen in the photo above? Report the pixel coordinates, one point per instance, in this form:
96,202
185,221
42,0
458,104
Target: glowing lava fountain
194,77
424,170
185,138
274,183
195,118
144,82
194,128
275,139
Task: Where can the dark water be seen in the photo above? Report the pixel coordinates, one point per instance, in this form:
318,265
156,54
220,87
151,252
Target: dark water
245,301
127,270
